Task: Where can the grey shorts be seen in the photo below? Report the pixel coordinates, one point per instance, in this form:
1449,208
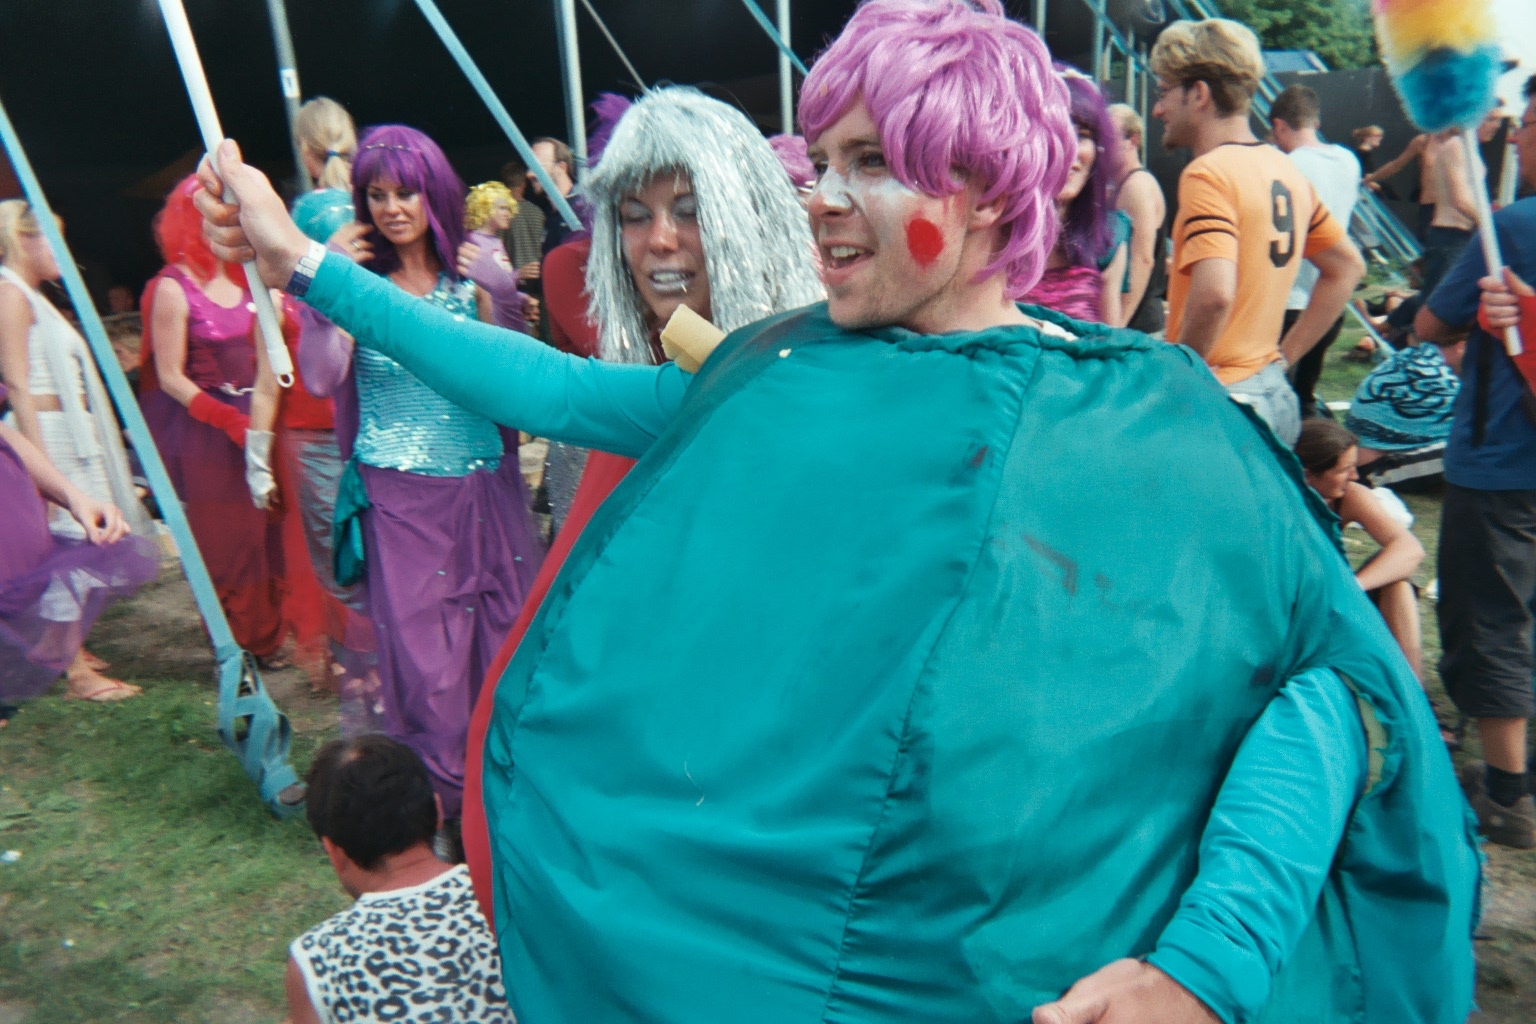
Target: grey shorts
1270,394
1487,606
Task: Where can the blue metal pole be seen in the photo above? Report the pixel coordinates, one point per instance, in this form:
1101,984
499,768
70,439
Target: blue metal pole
249,723
773,34
498,111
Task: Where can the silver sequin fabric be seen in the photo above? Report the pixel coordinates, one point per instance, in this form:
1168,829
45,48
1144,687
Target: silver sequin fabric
405,425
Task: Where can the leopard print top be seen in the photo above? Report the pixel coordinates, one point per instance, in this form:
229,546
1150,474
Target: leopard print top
421,955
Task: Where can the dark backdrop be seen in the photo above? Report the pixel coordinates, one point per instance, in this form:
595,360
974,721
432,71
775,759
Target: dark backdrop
93,88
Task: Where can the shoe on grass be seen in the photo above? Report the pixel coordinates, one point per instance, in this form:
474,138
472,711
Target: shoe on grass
1513,826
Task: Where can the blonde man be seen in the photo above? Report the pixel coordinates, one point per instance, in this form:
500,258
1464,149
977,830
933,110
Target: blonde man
1141,198
1247,218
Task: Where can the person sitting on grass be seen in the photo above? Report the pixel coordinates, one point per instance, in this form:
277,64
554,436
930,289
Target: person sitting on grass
1329,454
414,947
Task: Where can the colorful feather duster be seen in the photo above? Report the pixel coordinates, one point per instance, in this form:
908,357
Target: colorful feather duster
1443,56
1445,59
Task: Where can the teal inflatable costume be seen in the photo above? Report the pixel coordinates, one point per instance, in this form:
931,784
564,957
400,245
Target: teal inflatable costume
900,679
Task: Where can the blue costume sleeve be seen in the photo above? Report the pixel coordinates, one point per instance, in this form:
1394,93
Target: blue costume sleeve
1268,847
510,378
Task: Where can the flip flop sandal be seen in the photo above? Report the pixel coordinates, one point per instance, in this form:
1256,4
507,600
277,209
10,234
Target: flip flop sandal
114,691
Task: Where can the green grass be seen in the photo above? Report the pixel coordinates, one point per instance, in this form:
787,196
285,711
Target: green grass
153,885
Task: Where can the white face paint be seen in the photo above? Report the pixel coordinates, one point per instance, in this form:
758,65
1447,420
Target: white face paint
834,190
886,250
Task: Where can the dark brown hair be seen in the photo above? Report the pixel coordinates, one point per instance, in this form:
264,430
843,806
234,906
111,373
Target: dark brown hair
1297,106
372,797
1321,443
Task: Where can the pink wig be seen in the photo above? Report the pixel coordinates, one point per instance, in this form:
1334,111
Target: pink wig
790,149
959,94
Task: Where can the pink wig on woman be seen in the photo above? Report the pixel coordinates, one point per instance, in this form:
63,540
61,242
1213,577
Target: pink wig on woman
961,96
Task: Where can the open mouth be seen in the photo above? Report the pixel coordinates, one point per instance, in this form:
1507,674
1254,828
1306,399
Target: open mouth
840,257
670,282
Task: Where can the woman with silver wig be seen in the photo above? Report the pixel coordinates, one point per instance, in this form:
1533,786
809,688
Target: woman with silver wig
728,238
757,249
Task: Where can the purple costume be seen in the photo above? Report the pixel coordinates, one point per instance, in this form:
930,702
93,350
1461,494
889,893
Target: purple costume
241,544
494,272
451,550
51,588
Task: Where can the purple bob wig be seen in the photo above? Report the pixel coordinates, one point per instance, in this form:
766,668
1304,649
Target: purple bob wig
791,151
1086,234
961,96
393,152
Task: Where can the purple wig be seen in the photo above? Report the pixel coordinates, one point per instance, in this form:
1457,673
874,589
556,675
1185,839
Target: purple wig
960,95
790,149
1086,233
606,111
393,152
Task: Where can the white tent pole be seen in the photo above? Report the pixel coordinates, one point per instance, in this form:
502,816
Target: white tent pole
786,80
570,69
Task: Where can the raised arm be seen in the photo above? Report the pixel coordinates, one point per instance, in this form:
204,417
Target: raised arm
1410,153
504,376
507,377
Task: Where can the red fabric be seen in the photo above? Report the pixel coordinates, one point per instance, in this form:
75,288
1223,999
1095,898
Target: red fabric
215,413
312,613
565,298
1525,362
601,476
298,409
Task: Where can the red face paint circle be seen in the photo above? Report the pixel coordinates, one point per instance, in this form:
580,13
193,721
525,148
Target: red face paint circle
924,241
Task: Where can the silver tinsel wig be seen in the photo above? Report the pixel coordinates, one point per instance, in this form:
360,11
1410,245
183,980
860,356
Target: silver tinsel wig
757,239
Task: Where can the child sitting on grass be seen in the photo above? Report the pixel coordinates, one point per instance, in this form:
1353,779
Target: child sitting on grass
414,947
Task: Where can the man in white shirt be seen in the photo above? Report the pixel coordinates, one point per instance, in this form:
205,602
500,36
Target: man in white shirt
1335,176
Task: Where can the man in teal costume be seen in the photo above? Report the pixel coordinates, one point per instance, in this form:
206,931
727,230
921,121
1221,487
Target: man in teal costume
919,670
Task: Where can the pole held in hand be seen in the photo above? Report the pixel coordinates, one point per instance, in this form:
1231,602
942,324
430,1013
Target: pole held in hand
1478,180
208,125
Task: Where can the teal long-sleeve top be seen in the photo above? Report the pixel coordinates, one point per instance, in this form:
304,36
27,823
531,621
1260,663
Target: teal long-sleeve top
1281,812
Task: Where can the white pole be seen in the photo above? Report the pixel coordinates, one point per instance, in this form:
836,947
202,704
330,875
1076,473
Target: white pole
786,82
208,124
1477,174
288,79
570,68
1040,18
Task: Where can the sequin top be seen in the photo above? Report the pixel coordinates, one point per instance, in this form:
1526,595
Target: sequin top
404,425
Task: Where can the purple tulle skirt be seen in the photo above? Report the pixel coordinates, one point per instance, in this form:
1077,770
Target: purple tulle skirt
450,561
52,590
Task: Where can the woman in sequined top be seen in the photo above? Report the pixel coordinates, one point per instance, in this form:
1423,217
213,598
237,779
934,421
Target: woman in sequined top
433,490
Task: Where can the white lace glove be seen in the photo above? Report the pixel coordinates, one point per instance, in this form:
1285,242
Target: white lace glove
258,466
